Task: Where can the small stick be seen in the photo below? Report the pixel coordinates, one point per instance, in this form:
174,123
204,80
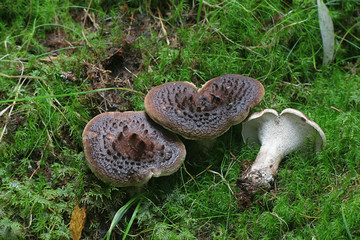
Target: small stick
336,109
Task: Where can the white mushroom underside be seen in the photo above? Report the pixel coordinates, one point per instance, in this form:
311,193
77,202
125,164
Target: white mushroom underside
278,136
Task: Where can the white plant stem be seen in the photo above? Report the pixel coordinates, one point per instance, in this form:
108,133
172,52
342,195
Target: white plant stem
264,169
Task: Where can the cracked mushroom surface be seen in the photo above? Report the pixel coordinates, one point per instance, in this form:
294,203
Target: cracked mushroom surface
128,148
206,113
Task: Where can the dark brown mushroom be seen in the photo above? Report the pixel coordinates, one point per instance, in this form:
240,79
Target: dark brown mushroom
205,113
127,149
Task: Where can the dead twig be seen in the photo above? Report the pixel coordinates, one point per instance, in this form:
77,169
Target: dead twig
223,179
163,27
83,28
17,90
20,76
336,109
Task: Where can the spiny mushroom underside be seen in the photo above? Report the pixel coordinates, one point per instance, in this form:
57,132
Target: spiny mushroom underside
129,151
222,102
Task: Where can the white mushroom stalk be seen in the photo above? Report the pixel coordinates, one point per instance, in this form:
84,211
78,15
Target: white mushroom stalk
278,136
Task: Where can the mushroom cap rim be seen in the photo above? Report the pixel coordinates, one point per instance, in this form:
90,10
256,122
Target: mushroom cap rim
286,111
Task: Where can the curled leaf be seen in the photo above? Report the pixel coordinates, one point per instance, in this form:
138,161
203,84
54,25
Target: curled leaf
327,32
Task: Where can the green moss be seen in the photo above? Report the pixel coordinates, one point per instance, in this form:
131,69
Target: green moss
43,169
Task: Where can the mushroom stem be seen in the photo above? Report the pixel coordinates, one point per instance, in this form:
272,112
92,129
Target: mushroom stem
264,169
206,144
134,190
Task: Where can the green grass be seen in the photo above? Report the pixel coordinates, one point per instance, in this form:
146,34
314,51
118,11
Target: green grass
43,170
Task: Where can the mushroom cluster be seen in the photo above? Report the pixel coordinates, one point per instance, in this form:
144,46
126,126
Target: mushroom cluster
127,149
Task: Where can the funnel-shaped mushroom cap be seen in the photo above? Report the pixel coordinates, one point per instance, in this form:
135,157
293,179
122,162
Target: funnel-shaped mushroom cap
205,113
288,131
127,149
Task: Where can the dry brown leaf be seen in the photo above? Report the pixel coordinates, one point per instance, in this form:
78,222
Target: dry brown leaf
77,222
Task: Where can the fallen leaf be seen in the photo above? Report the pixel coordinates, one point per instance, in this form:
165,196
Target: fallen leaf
327,32
77,222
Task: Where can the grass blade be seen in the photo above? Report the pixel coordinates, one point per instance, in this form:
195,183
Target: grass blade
120,213
345,223
327,32
132,219
66,95
199,12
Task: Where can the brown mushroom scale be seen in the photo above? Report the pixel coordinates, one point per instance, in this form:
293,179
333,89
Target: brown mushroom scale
207,113
128,148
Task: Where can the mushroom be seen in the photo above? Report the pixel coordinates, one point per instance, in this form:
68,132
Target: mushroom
128,148
278,136
205,113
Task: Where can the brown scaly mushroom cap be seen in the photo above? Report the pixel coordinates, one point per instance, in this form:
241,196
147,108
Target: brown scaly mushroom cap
205,113
127,149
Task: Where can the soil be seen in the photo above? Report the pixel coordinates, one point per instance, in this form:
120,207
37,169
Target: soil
247,190
118,70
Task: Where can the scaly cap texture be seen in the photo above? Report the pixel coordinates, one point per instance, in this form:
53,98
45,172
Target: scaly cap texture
127,149
205,113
